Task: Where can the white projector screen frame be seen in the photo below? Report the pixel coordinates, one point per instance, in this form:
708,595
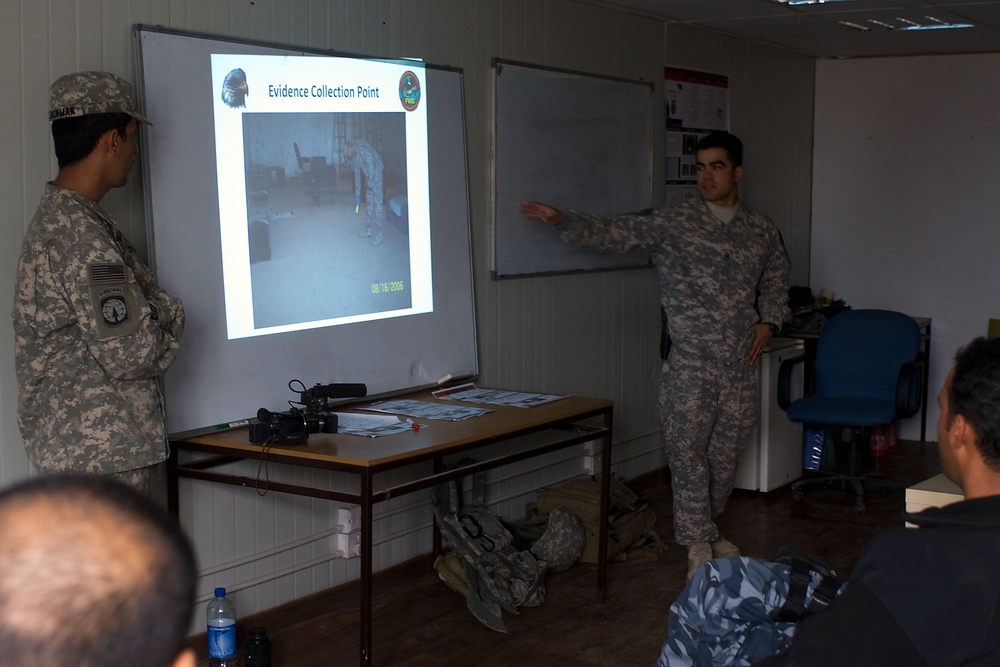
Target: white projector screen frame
216,380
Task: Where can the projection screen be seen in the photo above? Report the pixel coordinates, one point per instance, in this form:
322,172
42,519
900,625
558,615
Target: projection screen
286,279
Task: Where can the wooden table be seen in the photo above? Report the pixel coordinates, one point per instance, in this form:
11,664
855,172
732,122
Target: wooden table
568,421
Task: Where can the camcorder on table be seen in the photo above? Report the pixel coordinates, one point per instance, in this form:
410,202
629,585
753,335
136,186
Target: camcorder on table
310,414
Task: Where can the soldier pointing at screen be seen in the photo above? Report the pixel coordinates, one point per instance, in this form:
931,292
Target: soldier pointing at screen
724,289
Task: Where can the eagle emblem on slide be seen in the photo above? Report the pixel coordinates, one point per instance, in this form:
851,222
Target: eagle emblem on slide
234,89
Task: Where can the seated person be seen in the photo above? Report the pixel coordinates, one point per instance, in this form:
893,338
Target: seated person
94,575
927,596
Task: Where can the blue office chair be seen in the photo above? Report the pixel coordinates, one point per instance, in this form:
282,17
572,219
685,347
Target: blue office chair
868,372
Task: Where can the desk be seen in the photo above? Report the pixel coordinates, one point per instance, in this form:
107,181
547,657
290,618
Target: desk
923,323
937,491
561,424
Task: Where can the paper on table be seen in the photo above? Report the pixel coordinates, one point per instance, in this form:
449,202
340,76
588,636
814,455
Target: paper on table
516,399
427,410
370,426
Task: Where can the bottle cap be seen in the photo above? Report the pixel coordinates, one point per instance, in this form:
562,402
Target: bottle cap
220,592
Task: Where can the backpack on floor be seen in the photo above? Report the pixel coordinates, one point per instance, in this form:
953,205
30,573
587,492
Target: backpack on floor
631,534
498,574
496,571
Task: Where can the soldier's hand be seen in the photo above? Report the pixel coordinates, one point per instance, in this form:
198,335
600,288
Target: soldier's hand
761,334
537,210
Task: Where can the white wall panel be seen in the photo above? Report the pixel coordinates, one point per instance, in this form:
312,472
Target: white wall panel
905,165
594,334
13,463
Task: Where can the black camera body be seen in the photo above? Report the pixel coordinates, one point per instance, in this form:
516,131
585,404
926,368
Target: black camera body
294,426
290,428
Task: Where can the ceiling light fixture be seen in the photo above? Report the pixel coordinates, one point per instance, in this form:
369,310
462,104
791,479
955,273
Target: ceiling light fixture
793,3
935,24
903,25
856,26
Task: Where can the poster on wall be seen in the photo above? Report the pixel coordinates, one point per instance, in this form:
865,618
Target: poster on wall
696,103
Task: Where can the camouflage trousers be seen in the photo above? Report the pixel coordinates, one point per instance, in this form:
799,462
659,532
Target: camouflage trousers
708,410
374,206
724,615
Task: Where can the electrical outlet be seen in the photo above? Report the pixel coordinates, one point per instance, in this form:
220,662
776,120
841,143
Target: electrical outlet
348,544
348,519
592,448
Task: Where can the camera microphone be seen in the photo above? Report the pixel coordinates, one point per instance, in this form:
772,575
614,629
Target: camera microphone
340,390
316,397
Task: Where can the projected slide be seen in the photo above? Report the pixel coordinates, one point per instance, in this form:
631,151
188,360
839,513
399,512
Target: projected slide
323,191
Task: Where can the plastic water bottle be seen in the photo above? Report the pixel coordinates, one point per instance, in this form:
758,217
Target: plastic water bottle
221,617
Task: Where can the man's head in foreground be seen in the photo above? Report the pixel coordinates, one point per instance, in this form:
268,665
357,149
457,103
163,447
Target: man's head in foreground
969,426
93,574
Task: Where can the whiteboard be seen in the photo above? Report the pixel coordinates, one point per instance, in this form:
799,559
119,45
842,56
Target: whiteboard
216,380
574,141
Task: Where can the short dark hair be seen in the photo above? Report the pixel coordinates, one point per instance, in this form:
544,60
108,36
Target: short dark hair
730,142
93,574
975,394
76,137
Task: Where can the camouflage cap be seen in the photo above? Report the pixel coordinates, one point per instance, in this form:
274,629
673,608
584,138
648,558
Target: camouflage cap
85,93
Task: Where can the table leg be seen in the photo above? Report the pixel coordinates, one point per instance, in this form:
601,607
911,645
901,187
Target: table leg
173,480
366,568
602,536
435,529
926,372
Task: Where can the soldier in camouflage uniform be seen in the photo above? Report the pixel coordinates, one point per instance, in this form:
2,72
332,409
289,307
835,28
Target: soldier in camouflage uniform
367,161
93,332
714,257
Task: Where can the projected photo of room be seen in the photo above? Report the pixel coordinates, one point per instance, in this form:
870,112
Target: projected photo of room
326,197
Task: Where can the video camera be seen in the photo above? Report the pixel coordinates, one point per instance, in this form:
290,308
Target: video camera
313,416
